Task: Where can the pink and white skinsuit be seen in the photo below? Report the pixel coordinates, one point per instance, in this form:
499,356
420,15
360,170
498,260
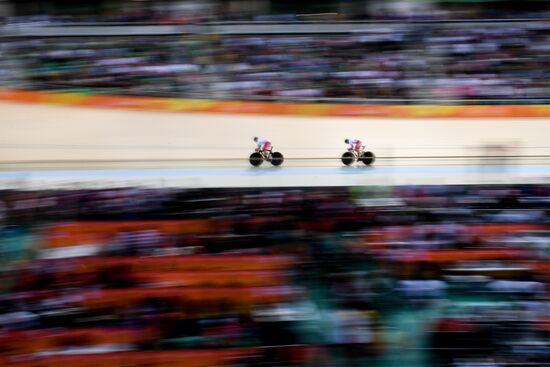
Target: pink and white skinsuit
355,144
263,145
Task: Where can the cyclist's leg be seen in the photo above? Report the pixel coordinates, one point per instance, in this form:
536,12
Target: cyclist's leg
267,149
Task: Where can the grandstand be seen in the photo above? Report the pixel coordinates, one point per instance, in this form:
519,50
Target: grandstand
249,276
490,62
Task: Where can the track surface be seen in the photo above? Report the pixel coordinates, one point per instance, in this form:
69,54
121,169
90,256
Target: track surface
274,177
47,132
60,146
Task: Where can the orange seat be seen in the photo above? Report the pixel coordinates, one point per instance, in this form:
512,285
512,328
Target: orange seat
212,278
237,296
75,233
179,358
30,341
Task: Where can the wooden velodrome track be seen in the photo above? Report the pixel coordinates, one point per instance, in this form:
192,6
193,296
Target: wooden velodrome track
39,137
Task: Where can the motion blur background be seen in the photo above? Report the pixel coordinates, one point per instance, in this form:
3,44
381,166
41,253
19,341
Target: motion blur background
395,51
138,238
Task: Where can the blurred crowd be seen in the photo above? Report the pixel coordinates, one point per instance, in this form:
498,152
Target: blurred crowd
452,61
183,12
304,277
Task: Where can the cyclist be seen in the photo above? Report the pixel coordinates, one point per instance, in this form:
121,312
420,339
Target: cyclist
354,144
262,145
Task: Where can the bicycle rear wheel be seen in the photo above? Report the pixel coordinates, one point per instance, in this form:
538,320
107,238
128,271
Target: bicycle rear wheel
277,159
368,158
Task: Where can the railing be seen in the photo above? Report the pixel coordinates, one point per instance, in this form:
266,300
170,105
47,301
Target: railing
236,27
431,160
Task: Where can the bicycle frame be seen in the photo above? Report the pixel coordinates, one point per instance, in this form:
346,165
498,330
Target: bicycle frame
359,153
266,154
